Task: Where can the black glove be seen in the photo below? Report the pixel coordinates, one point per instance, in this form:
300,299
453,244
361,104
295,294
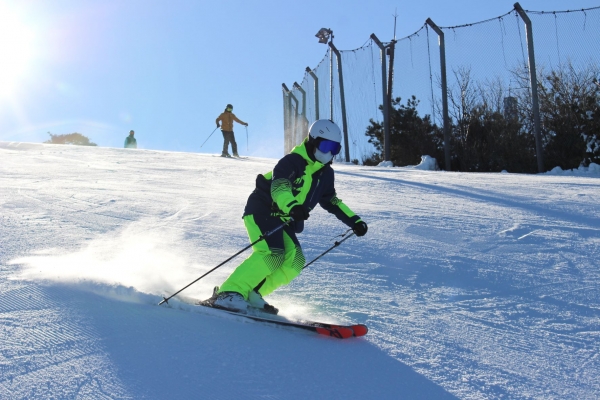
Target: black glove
218,126
246,124
360,228
299,213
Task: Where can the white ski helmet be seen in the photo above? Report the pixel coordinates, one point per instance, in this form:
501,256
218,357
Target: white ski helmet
324,129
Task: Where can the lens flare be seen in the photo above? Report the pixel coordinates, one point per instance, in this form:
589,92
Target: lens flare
16,51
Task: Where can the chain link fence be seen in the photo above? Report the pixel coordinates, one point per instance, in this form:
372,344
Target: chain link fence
487,67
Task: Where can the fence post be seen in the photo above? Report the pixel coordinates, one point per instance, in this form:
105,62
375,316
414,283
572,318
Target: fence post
331,83
342,101
303,119
290,132
390,83
286,117
299,88
294,127
314,76
384,90
446,120
535,105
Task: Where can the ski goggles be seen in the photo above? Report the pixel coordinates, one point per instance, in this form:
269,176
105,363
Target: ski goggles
326,146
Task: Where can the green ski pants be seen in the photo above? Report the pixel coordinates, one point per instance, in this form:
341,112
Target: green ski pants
275,261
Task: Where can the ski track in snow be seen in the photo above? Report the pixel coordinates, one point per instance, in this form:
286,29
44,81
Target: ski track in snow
474,286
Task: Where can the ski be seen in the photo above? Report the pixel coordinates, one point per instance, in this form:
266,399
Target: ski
231,157
336,331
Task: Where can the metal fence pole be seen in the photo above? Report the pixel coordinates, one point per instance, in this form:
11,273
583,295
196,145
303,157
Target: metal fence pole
314,76
286,117
294,128
535,105
303,119
391,48
342,101
386,115
299,88
292,124
446,119
331,83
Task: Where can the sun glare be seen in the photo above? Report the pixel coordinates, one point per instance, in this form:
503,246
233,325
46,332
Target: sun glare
16,51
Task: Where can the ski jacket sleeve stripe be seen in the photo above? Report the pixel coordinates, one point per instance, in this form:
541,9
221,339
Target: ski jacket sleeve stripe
281,192
281,185
337,207
333,204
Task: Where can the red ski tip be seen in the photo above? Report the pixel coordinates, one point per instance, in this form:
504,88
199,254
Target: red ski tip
360,330
337,332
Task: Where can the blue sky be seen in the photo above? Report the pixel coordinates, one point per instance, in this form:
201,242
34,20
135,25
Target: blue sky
167,69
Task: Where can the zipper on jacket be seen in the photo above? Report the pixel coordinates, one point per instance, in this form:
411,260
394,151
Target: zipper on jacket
313,194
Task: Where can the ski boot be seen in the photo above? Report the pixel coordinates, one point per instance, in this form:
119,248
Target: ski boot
231,301
257,301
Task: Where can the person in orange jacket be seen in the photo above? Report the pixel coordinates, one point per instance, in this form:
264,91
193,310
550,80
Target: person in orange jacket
226,118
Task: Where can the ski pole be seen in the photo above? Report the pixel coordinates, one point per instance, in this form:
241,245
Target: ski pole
166,299
209,136
246,138
332,247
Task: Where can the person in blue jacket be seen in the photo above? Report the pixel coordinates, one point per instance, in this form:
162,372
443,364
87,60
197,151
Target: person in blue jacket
299,181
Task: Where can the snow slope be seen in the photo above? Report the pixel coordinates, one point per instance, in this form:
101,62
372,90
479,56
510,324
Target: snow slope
474,286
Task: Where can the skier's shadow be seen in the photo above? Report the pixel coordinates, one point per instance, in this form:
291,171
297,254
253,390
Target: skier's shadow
181,352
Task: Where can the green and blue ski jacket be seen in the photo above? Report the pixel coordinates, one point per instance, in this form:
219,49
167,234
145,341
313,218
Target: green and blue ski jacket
298,179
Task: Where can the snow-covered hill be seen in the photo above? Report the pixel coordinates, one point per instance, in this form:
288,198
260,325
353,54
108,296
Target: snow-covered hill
473,286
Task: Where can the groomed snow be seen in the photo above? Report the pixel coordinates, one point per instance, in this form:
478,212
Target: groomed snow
474,286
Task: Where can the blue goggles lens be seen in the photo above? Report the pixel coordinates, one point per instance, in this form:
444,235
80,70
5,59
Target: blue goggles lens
327,146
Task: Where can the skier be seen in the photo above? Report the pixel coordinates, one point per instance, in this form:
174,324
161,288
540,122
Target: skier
227,118
130,142
299,181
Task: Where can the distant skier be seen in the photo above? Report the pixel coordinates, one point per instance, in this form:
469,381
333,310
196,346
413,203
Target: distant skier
130,142
226,118
299,181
